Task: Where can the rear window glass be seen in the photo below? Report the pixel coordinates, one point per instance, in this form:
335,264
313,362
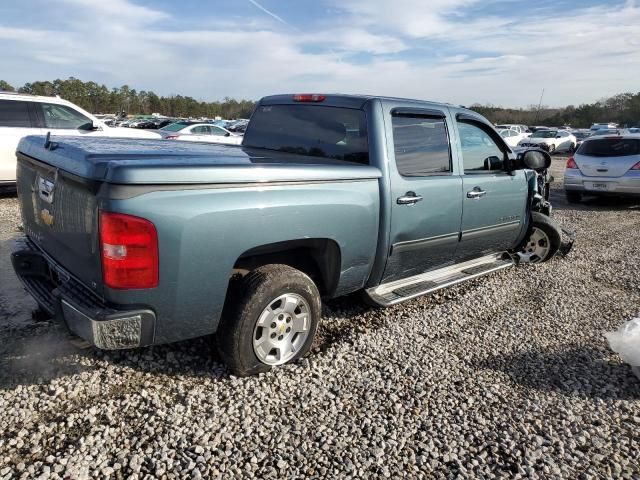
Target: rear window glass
314,130
14,113
610,147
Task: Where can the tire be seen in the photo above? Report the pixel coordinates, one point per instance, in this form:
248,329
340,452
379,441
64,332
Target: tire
258,299
543,242
573,196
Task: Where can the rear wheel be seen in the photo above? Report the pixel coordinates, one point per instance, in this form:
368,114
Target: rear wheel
272,322
543,242
573,196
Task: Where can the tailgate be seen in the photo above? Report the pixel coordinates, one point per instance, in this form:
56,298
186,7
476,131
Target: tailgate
59,213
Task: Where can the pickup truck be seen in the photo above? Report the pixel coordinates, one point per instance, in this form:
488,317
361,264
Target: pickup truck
141,242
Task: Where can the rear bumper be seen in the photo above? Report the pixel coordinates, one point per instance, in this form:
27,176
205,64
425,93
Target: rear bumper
88,316
629,184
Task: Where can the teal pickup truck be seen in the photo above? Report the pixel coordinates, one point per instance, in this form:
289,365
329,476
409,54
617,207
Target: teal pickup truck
142,242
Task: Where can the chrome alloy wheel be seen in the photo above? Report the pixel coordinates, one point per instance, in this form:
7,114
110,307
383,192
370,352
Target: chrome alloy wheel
537,247
282,329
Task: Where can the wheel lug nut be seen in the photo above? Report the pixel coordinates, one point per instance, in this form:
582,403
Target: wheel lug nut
273,335
281,316
288,329
288,319
273,325
280,337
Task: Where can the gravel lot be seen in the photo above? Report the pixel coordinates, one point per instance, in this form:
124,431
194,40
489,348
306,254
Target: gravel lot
508,376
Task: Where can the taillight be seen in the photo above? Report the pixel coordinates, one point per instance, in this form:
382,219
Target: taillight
636,166
308,97
129,251
571,163
171,137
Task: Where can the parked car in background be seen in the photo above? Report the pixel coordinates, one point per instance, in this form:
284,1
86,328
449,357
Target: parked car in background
580,136
599,126
551,140
606,131
538,127
607,165
511,137
523,130
22,114
202,132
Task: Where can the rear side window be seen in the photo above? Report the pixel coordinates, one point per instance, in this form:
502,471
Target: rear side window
610,147
314,130
421,145
14,113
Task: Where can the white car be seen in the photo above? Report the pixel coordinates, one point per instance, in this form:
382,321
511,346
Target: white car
552,140
200,132
511,137
520,129
22,115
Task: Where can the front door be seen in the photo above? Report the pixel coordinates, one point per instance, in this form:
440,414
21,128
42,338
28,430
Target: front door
425,193
493,201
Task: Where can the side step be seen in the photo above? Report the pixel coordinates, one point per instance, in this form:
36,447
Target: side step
391,293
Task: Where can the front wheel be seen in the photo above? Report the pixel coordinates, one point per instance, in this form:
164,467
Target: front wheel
543,242
272,322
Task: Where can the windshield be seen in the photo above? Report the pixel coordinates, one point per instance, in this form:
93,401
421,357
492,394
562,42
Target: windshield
545,134
610,147
174,127
314,130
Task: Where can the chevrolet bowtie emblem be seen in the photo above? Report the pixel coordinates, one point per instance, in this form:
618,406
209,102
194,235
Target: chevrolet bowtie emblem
46,217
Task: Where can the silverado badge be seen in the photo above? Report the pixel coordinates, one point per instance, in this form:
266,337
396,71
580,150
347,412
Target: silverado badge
46,217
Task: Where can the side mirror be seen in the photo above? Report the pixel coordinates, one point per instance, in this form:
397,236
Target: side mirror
493,163
558,136
227,134
535,160
96,125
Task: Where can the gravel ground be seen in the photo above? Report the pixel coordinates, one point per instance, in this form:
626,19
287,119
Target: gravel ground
507,376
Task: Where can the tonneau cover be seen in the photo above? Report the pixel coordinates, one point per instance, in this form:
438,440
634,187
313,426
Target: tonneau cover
141,161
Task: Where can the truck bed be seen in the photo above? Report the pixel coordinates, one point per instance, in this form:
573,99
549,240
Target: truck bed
211,205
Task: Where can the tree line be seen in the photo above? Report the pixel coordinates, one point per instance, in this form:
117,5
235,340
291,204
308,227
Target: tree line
97,98
623,108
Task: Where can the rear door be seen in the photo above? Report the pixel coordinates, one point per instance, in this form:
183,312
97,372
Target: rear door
493,201
15,122
426,192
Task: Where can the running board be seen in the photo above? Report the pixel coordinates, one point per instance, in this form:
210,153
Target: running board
391,293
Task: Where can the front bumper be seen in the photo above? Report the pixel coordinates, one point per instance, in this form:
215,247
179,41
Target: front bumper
85,314
543,146
629,184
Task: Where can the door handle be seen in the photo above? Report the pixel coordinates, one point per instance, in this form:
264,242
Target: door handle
476,193
409,198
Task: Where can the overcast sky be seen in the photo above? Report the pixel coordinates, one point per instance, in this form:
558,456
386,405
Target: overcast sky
501,52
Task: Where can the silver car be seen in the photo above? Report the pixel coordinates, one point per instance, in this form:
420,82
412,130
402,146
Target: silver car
604,165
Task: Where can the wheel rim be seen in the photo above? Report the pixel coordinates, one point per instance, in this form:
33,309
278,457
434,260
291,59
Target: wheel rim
282,329
537,247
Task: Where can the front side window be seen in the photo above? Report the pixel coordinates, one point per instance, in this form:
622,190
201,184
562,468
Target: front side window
421,145
63,117
218,132
201,130
477,148
14,113
313,130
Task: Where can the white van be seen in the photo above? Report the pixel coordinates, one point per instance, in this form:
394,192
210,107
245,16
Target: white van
22,115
